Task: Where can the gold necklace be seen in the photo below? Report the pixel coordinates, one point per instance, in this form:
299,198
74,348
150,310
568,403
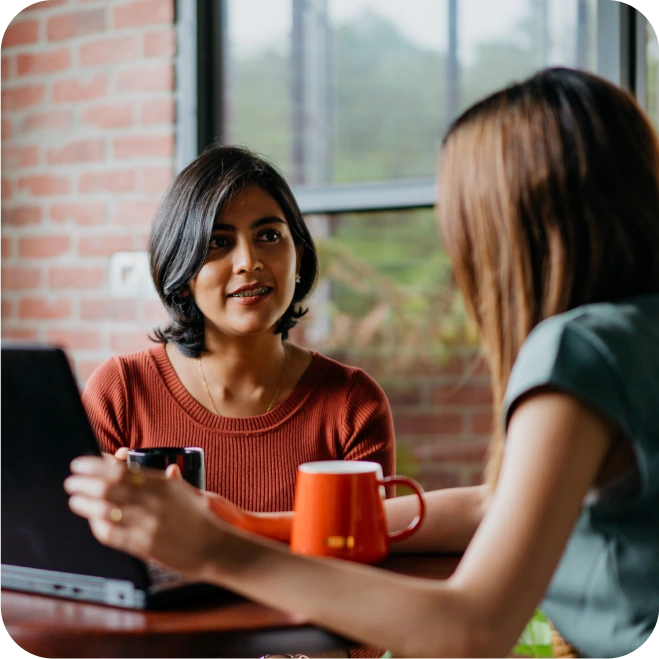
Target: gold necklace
272,402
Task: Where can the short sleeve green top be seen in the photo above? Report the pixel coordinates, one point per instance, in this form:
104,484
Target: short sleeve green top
604,596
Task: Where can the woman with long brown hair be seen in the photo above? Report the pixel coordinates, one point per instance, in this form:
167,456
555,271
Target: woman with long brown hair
549,208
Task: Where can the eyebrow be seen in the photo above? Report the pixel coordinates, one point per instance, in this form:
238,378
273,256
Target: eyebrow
271,219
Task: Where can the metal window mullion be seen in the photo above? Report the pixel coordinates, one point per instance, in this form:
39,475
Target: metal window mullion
641,58
367,197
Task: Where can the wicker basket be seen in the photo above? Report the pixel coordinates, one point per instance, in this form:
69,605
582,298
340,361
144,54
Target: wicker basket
561,648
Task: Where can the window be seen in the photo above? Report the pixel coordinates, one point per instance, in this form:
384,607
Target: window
350,99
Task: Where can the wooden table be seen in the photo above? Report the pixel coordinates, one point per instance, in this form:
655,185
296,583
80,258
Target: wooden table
52,627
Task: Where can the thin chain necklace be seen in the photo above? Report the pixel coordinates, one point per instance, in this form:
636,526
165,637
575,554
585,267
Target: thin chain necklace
272,402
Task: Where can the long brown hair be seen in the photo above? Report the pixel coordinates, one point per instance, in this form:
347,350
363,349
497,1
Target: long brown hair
548,199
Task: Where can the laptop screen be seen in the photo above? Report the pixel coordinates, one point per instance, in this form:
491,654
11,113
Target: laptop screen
44,426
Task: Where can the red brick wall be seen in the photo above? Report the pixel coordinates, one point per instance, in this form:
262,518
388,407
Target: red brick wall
87,150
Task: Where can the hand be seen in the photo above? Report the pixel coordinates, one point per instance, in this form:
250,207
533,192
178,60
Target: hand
144,514
121,454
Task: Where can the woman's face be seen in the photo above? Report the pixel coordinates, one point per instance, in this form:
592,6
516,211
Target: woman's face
248,279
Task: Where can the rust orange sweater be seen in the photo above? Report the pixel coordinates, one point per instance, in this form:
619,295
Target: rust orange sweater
335,412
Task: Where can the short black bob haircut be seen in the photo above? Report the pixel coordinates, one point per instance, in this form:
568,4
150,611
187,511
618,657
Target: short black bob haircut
181,233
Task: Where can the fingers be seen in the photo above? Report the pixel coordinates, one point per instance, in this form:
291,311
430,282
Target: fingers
173,472
97,488
121,454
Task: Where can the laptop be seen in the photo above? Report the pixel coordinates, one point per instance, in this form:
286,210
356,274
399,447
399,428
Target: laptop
45,548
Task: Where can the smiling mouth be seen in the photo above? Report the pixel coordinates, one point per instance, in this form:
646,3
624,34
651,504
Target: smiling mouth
252,293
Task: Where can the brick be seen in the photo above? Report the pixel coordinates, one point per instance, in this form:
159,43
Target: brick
135,212
455,451
57,121
21,215
77,151
482,423
109,51
140,242
5,68
7,308
468,394
157,179
79,278
143,146
477,365
80,214
16,157
108,309
437,479
154,312
7,189
43,246
81,88
43,62
44,184
18,278
6,129
104,245
146,78
143,13
158,111
84,368
43,4
475,477
107,181
41,308
428,423
110,115
75,24
20,98
75,339
19,334
403,394
7,247
160,44
129,342
20,32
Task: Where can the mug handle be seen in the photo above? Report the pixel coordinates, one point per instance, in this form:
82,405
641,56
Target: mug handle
416,522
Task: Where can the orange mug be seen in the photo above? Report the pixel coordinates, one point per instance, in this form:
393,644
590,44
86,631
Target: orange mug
339,510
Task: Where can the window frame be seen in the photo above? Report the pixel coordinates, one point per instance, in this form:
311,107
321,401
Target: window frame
201,27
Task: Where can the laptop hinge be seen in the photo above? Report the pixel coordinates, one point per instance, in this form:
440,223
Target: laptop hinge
116,592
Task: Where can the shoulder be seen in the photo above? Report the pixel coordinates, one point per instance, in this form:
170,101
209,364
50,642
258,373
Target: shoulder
351,380
590,352
120,370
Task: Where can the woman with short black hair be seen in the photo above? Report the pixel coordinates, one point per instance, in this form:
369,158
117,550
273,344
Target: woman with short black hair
233,261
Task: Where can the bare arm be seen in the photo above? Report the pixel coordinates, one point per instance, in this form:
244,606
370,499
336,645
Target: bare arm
452,517
554,449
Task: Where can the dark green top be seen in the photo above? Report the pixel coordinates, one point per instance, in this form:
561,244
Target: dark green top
604,596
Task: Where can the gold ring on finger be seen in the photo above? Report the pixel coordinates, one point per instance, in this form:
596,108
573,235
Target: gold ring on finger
116,514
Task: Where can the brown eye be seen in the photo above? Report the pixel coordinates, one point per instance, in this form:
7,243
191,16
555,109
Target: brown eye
270,235
218,242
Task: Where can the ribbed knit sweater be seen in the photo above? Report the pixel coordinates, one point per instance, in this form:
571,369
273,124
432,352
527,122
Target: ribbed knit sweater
335,412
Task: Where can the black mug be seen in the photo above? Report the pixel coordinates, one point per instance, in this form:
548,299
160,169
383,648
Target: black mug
190,461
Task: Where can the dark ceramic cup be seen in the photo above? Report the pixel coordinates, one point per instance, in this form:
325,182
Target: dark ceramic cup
190,461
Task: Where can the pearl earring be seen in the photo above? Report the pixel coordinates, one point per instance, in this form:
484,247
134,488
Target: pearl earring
297,278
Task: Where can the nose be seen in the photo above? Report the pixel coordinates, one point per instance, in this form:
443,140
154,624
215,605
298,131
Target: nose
245,258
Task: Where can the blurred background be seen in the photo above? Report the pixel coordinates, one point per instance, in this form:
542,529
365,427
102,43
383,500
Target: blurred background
103,101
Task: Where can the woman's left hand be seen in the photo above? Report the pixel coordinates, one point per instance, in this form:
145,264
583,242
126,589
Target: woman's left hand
144,513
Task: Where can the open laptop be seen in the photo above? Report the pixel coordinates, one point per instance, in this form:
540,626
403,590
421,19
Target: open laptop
45,547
